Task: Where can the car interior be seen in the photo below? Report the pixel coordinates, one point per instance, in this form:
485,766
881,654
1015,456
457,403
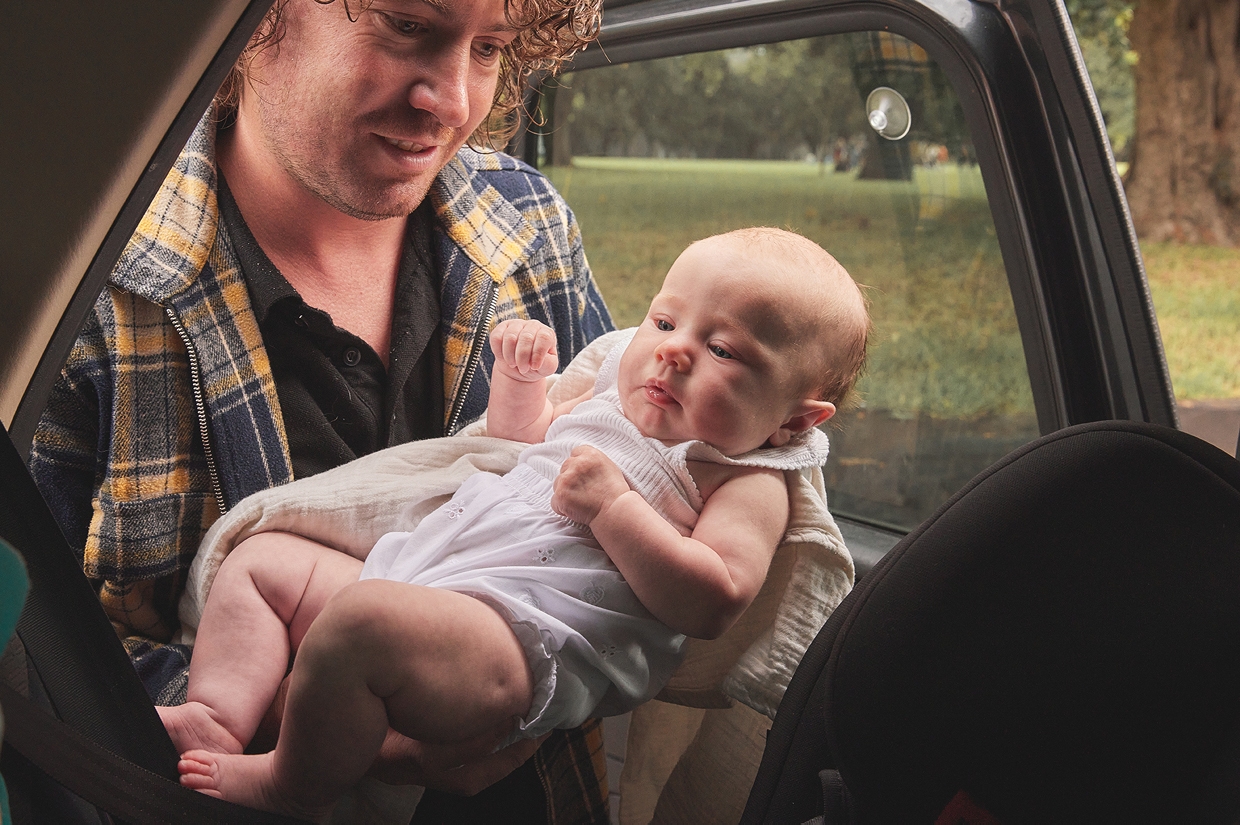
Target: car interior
1044,623
1047,647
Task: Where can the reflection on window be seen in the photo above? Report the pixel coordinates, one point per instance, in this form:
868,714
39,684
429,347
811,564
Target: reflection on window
654,155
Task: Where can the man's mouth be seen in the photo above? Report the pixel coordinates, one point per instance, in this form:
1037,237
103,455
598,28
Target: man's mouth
407,145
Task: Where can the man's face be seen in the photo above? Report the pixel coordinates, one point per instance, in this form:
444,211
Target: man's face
365,113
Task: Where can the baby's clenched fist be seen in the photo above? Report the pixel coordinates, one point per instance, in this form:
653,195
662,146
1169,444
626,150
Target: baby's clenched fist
524,350
587,484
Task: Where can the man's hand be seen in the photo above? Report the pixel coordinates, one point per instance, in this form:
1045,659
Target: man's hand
524,350
464,768
587,485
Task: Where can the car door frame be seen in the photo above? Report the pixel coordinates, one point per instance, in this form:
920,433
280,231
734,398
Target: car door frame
91,142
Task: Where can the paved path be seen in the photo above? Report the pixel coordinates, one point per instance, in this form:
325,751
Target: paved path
1216,421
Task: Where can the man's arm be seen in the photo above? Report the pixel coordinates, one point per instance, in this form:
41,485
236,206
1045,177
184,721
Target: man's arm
64,456
68,461
462,770
697,584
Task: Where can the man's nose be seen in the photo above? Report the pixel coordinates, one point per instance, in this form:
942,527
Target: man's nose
443,87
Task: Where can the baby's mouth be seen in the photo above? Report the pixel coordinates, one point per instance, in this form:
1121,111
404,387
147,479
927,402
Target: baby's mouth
659,394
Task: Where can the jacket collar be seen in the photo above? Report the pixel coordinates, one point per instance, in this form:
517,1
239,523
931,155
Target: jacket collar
176,234
484,224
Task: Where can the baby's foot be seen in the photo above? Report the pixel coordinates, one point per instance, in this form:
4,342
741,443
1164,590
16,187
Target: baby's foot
193,727
244,779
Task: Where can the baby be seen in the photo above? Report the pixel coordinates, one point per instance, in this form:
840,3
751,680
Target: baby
646,510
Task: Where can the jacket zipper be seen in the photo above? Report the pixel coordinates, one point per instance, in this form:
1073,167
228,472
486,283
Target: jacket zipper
195,377
475,358
541,770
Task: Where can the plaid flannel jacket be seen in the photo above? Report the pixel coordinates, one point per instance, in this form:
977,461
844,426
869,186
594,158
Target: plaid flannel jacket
166,411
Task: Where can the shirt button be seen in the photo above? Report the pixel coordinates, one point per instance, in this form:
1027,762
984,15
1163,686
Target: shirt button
352,357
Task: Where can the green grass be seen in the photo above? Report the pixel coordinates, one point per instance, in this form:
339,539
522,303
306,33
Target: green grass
1196,292
946,341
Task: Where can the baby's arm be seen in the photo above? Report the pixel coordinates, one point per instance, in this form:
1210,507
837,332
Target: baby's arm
697,584
524,356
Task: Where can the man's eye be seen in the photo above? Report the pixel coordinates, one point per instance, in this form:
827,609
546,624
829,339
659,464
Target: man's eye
663,326
720,352
487,51
402,26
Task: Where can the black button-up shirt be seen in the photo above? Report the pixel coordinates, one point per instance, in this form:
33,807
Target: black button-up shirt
337,399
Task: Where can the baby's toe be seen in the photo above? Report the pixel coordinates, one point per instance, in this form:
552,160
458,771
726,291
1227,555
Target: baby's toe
199,771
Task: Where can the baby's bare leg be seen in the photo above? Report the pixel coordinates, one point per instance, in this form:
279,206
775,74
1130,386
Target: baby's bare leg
435,665
264,598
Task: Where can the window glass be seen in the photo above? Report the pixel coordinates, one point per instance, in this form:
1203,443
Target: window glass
654,155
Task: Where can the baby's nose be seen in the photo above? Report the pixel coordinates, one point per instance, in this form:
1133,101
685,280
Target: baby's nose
673,353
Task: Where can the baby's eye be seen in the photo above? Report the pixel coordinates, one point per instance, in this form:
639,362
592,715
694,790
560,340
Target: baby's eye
720,352
664,326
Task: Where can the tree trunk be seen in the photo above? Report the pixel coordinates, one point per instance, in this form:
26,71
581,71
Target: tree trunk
1184,181
561,148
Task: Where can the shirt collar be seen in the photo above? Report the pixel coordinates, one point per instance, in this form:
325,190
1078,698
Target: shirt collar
266,285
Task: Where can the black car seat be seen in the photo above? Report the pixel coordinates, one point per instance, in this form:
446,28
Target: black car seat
1060,643
80,733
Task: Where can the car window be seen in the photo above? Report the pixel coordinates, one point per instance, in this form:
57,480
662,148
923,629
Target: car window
857,141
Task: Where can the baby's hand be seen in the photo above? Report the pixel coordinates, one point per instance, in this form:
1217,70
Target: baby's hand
524,350
587,484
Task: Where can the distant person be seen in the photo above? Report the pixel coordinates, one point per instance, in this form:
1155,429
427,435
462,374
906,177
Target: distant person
840,155
646,510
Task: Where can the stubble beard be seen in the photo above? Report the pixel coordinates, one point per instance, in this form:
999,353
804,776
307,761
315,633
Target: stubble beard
348,187
352,196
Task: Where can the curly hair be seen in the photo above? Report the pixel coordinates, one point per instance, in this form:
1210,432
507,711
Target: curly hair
549,33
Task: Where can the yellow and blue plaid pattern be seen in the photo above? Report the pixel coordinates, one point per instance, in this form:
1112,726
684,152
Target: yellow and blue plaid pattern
118,453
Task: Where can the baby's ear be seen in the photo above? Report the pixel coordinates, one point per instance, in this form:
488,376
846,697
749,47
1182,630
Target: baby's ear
810,413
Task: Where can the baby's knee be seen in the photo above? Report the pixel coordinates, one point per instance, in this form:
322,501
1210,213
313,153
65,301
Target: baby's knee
367,614
248,558
258,551
250,563
279,560
512,691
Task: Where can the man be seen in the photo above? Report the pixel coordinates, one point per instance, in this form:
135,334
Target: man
315,280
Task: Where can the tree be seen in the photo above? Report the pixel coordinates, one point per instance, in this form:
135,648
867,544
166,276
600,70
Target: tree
1184,182
777,101
1102,31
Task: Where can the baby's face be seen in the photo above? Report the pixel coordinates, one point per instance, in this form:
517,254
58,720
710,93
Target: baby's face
717,357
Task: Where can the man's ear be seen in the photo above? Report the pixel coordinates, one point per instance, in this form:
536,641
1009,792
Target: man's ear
810,413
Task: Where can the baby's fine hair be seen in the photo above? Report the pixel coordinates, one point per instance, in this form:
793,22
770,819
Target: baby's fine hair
843,322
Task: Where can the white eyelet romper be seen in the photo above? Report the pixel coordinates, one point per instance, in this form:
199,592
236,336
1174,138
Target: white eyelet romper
593,649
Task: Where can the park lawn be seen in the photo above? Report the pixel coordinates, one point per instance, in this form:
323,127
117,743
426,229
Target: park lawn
1196,293
946,342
